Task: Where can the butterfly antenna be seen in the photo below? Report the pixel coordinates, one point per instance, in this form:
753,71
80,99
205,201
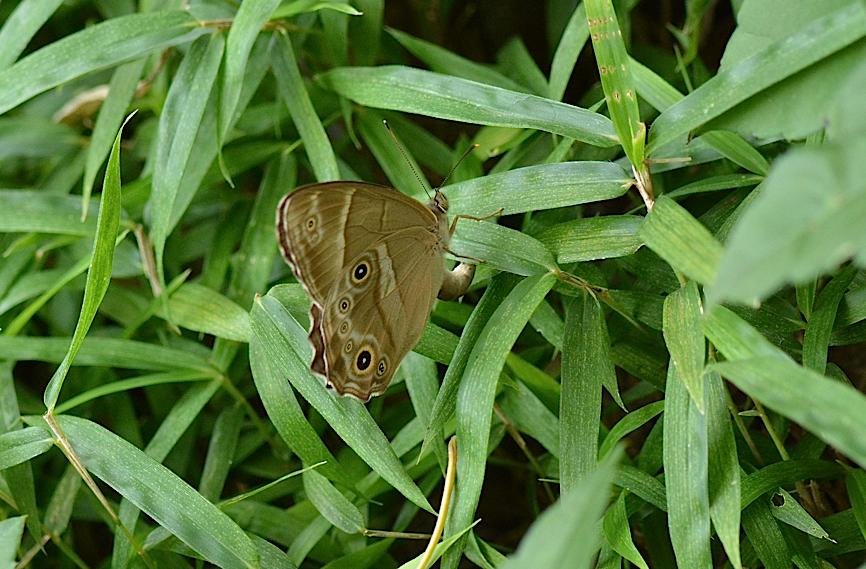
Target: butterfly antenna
406,157
462,158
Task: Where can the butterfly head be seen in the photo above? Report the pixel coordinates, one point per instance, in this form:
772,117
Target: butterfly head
439,202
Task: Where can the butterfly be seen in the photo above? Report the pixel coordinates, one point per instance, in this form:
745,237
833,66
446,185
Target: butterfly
371,259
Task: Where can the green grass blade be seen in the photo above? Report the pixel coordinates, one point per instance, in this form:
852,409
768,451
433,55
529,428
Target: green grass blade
431,94
247,24
104,45
20,27
11,531
593,238
616,531
295,95
738,151
798,393
202,309
446,62
766,538
724,470
331,503
288,418
399,168
179,124
856,483
22,445
121,385
99,273
685,460
778,61
518,63
631,422
475,399
585,367
502,248
567,50
539,187
33,210
567,533
784,474
446,400
106,352
816,341
736,338
804,223
160,494
680,239
120,92
285,343
613,67
683,337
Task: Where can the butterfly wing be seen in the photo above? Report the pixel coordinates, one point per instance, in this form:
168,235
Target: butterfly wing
371,260
377,312
322,227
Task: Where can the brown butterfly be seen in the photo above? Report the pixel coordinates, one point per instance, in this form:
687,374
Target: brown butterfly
372,261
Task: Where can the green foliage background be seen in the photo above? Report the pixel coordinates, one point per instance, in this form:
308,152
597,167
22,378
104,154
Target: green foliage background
659,363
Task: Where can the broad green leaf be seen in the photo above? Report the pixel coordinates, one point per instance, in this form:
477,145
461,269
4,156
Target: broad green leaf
678,238
37,211
99,273
766,538
803,103
20,27
160,493
683,337
285,343
804,223
11,531
331,503
297,99
22,445
685,460
632,421
538,187
785,473
803,395
593,238
762,69
431,94
724,469
105,44
567,533
106,352
586,366
786,509
502,248
735,338
199,308
475,398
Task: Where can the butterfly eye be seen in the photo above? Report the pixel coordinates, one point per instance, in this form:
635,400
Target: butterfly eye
311,224
344,327
349,346
344,305
360,272
381,368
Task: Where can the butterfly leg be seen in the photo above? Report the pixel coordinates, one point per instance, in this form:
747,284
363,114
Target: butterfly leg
472,217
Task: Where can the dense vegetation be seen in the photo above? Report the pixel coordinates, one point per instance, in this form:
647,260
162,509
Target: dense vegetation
659,362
